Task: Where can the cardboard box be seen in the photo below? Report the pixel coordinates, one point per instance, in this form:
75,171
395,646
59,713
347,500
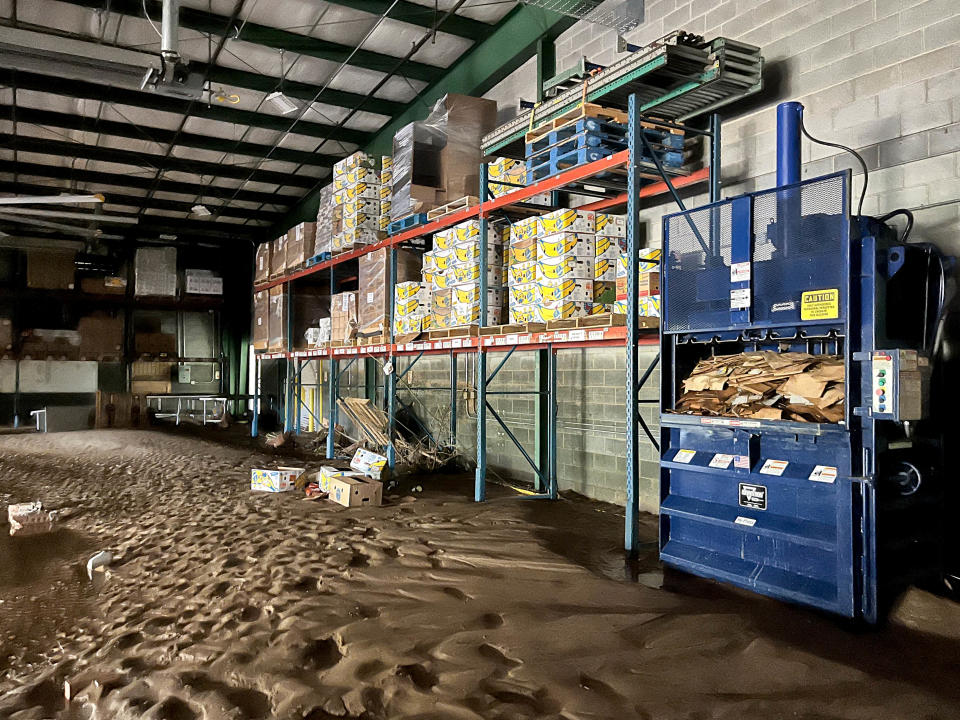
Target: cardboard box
310,306
301,242
278,256
373,301
155,343
368,463
152,370
278,318
279,480
30,519
151,387
318,336
356,491
566,244
261,320
101,335
261,262
327,473
202,282
104,285
576,221
605,269
50,269
40,343
611,226
566,267
567,290
343,317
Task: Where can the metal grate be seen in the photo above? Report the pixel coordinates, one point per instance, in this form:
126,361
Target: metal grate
697,277
621,16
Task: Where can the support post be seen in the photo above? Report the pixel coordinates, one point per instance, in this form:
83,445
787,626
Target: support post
552,401
390,386
454,375
543,435
631,529
290,380
333,388
298,393
255,424
480,485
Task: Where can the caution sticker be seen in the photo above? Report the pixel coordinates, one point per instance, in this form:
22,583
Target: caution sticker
774,467
820,304
684,456
824,474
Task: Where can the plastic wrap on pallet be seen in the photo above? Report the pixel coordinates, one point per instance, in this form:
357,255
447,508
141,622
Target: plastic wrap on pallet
155,271
278,318
343,317
262,263
328,221
374,296
437,160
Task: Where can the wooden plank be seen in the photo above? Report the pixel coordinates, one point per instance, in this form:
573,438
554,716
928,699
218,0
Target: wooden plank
603,320
463,203
514,328
454,332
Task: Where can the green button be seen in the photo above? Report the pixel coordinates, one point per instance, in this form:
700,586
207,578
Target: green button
881,382
882,373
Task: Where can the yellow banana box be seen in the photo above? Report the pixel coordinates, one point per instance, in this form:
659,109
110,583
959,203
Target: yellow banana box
361,206
442,318
539,313
470,292
429,260
361,221
566,244
611,225
470,229
441,279
385,193
356,160
566,267
363,236
360,190
649,306
605,269
468,253
566,290
383,222
442,259
426,323
340,242
407,325
363,175
442,299
523,251
604,292
599,308
471,273
445,239
386,162
582,221
524,272
469,314
609,247
386,206
339,183
649,261
427,275
524,294
525,229
407,290
508,170
386,178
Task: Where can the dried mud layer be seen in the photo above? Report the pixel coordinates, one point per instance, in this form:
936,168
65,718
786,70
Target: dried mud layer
226,604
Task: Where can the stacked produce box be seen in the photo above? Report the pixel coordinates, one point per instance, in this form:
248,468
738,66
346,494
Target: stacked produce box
329,222
505,175
411,307
648,283
386,192
356,189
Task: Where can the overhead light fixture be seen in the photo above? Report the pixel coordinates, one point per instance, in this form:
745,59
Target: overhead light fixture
282,103
200,210
167,237
52,199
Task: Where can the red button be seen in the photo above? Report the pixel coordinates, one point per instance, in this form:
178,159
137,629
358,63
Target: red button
880,393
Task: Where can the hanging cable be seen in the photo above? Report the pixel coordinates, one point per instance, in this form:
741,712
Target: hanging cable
146,14
907,214
866,173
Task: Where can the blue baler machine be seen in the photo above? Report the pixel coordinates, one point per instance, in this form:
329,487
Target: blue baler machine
839,516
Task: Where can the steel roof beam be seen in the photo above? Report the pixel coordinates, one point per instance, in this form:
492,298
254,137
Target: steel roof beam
153,101
421,15
213,24
65,121
112,198
144,183
139,159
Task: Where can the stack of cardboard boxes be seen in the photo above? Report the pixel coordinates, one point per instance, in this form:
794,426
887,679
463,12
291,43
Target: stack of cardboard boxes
300,245
374,297
648,283
329,222
411,303
386,192
155,272
356,189
343,318
506,175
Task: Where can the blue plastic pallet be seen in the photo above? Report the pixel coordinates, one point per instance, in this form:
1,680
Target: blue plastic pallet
583,140
398,226
582,125
317,259
557,164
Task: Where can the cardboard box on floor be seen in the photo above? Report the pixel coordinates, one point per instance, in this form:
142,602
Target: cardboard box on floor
327,473
261,320
356,491
374,297
282,479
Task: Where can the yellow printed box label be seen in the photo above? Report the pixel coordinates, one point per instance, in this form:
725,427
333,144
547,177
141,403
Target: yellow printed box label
820,304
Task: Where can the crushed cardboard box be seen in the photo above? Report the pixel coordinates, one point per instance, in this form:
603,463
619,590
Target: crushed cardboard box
767,385
30,518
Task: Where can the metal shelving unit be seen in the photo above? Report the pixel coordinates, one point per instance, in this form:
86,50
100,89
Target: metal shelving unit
627,192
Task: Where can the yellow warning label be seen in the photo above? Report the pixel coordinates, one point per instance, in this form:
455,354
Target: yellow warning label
820,304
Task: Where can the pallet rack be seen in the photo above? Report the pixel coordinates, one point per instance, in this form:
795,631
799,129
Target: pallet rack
592,179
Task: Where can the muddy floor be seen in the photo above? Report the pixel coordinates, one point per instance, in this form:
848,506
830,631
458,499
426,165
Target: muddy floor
226,604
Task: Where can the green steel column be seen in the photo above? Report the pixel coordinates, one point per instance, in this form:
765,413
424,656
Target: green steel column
391,380
541,447
546,63
480,489
631,529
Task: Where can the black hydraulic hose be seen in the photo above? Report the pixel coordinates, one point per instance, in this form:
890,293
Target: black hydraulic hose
866,173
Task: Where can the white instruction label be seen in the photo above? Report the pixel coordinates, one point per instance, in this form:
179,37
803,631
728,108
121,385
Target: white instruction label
740,299
774,467
749,522
684,456
721,461
739,272
457,342
370,297
824,474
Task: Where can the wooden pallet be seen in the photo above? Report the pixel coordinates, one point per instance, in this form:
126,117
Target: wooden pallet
160,357
603,320
342,343
373,340
371,421
101,357
455,332
461,204
531,327
589,110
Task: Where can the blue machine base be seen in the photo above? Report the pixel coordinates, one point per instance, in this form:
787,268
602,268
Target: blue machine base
318,258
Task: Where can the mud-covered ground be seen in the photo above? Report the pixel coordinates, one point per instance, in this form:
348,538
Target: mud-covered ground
222,603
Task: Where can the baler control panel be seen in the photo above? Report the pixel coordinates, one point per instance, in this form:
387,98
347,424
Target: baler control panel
899,384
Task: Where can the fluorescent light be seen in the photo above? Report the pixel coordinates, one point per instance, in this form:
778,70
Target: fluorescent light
282,103
120,219
200,210
52,199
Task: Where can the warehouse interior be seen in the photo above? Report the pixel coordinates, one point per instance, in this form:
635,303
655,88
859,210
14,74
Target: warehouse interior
479,358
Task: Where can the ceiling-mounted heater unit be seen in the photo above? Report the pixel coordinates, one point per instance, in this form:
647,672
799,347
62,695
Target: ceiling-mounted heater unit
620,15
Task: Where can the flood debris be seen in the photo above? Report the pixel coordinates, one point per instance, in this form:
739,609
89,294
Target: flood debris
30,518
100,560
